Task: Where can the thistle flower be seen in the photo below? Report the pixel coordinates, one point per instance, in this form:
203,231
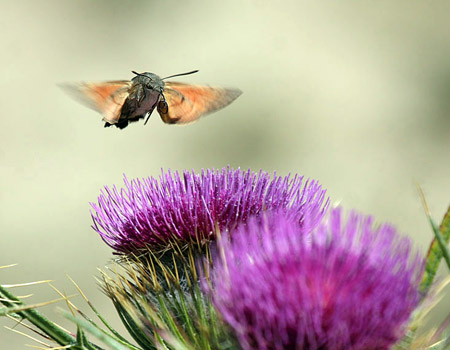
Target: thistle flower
342,286
191,207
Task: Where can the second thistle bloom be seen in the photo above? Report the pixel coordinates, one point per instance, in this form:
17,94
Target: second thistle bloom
191,207
345,285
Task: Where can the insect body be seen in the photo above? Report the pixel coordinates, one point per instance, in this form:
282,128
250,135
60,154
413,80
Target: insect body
124,101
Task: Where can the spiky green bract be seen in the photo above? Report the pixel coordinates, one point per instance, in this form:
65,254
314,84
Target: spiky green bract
164,307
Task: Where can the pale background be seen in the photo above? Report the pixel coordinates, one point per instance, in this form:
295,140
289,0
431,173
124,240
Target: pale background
353,94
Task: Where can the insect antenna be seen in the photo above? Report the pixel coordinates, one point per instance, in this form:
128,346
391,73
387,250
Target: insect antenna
177,75
142,75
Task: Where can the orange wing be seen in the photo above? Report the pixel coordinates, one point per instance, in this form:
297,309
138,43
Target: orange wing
186,103
105,97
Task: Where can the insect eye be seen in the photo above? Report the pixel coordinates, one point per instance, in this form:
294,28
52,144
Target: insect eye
163,107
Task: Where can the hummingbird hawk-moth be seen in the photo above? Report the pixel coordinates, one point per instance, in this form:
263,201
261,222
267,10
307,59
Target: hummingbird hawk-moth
124,101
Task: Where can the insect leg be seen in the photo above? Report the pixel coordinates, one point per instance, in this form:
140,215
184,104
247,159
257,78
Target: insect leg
149,113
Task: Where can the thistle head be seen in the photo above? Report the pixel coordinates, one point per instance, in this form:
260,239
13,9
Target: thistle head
184,208
344,285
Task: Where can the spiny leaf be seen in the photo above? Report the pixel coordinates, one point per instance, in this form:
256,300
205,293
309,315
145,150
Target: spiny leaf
436,251
102,319
32,315
95,331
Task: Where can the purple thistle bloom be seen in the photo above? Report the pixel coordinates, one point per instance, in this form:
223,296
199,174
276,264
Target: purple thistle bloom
189,208
342,286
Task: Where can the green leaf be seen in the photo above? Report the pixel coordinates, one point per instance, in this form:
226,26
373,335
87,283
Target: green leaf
82,342
102,319
436,251
32,315
107,339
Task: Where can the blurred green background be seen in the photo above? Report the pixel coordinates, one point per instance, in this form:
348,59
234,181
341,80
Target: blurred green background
353,94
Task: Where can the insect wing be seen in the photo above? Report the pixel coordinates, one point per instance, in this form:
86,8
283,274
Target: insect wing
105,97
186,103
